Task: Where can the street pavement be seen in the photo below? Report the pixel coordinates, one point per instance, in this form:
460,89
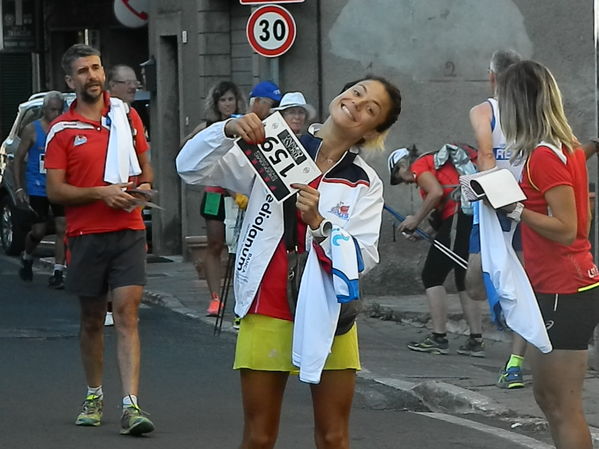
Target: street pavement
450,384
187,384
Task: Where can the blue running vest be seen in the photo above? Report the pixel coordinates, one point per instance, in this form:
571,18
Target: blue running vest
35,172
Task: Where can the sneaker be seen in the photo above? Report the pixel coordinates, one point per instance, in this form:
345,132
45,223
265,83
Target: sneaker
91,411
108,321
473,347
135,422
56,281
510,378
214,307
236,323
429,344
26,270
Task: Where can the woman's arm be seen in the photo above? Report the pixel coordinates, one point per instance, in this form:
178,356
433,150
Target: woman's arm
434,192
211,158
561,226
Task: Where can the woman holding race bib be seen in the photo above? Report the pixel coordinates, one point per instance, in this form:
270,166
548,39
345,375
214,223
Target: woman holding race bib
349,197
557,253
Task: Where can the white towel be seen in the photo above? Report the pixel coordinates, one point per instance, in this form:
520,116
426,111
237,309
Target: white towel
509,281
316,318
347,263
121,159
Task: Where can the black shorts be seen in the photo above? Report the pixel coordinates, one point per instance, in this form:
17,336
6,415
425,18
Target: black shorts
42,205
437,265
208,215
102,262
570,319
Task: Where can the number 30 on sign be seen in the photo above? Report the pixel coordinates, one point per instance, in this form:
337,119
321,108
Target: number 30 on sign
271,30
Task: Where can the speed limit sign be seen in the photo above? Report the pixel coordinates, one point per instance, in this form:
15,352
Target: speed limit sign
271,30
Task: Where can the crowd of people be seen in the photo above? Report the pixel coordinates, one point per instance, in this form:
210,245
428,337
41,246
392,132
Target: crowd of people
89,166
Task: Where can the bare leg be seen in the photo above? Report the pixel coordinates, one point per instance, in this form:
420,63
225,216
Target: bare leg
91,338
125,306
60,225
473,313
558,379
215,231
33,238
475,286
519,345
437,304
262,393
332,400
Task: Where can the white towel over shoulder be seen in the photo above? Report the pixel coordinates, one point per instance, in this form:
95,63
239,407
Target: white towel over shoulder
121,158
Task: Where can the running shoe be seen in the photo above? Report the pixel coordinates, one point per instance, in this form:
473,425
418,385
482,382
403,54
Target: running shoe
473,347
56,281
430,344
510,378
91,411
134,421
214,307
26,270
236,323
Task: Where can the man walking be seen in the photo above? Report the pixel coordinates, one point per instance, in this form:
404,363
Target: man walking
492,152
32,192
86,148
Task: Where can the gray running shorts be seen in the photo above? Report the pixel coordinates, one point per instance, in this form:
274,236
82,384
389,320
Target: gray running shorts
102,262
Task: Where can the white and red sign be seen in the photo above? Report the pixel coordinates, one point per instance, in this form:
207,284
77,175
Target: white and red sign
271,30
263,2
132,13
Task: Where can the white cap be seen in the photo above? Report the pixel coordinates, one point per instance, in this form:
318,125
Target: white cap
295,100
396,156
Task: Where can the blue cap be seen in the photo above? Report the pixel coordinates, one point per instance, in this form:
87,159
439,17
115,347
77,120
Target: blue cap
266,89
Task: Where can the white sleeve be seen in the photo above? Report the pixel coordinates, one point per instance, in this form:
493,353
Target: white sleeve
211,158
365,224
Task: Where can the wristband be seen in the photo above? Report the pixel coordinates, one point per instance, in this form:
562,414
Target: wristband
323,230
516,214
19,190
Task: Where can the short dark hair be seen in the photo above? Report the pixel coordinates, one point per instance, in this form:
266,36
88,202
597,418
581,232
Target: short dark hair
114,70
394,96
75,52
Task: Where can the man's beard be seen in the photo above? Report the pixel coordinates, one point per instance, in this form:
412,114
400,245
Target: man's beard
89,98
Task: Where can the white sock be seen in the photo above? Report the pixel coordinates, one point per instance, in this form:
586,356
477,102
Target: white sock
95,391
27,256
130,400
59,267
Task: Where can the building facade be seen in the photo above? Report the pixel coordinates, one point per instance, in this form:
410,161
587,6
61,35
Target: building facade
436,51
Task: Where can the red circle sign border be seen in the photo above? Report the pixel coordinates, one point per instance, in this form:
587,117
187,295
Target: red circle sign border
289,20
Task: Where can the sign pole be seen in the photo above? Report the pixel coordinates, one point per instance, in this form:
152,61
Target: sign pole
274,70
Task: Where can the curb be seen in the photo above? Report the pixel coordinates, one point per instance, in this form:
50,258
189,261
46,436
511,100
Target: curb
456,323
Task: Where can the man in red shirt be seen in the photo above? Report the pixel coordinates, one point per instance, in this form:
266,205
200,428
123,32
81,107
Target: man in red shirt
105,230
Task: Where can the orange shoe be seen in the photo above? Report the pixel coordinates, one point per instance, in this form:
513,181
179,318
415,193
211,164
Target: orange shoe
214,307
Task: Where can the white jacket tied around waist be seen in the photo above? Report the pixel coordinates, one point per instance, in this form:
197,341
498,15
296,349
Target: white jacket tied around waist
351,197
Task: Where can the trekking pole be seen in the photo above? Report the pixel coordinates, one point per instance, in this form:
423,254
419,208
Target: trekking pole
224,294
218,324
456,258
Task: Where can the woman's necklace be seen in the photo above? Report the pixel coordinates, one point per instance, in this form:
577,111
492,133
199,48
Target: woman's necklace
326,159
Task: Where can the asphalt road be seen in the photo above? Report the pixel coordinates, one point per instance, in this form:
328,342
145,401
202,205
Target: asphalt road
188,386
